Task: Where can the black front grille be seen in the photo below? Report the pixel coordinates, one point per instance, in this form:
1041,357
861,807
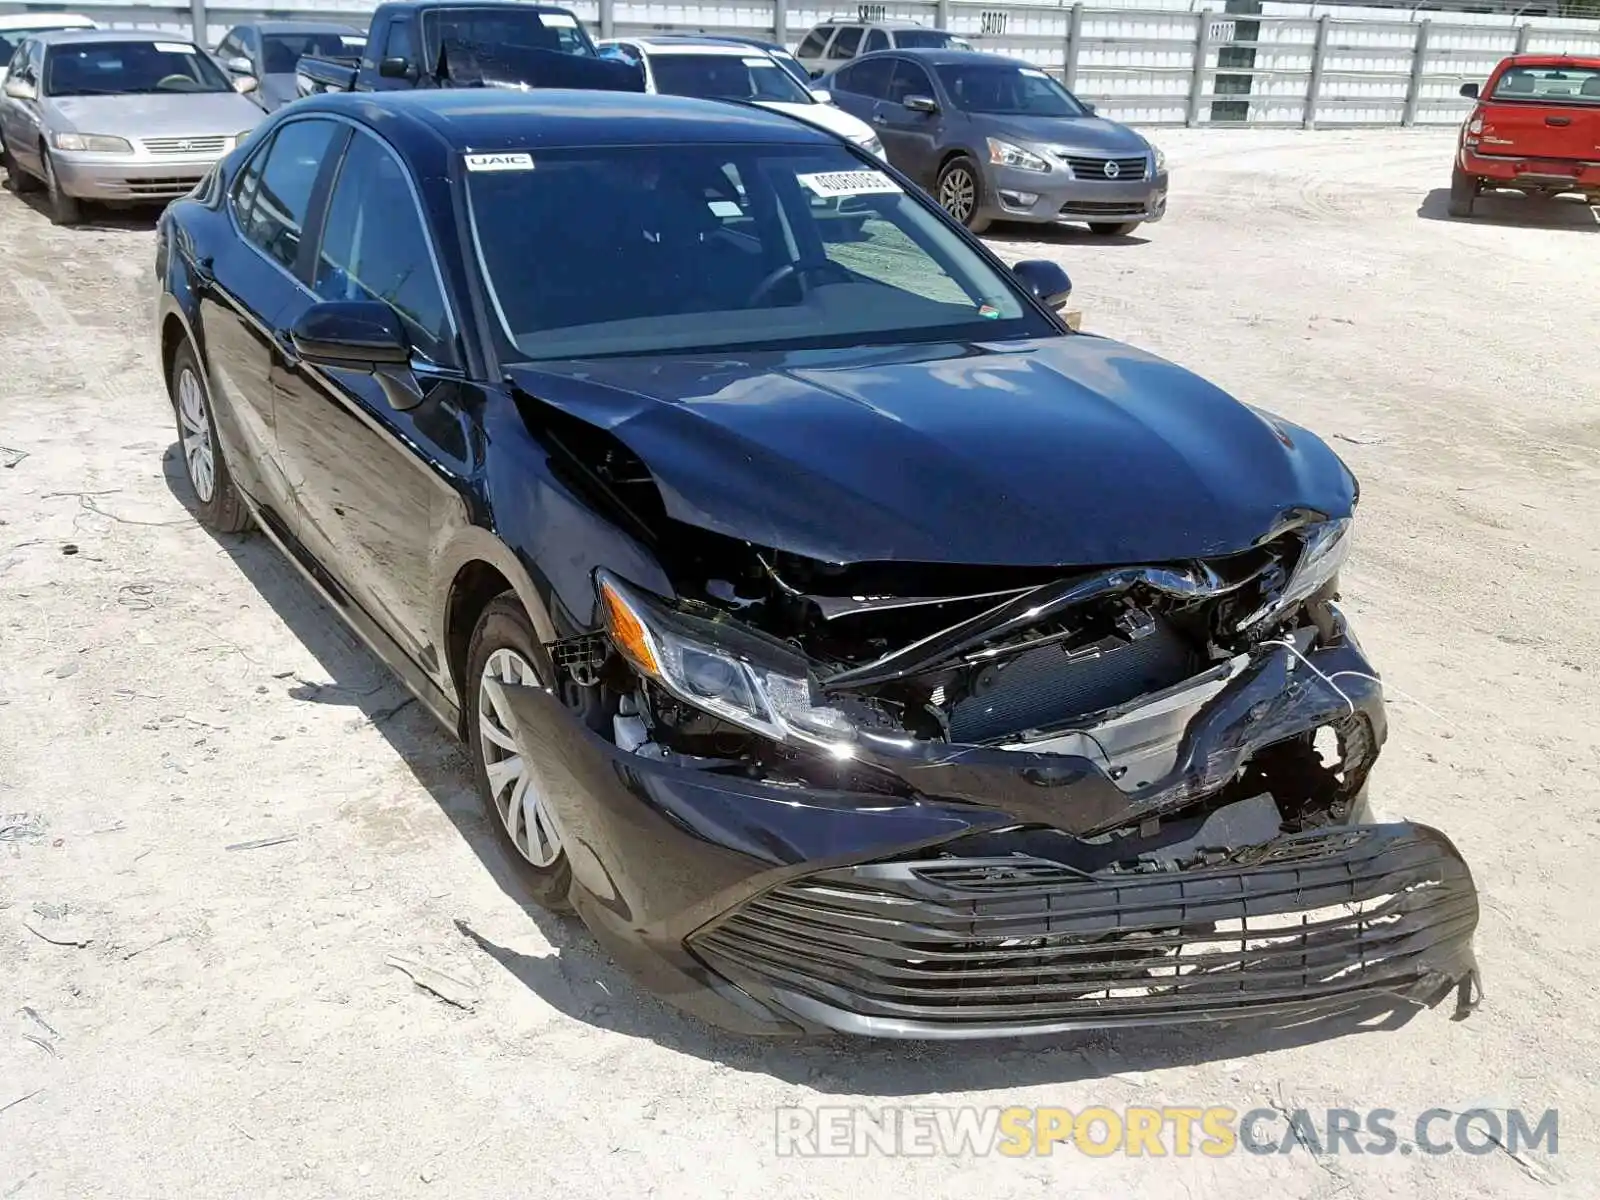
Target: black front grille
1343,916
1095,208
169,187
1047,686
1124,170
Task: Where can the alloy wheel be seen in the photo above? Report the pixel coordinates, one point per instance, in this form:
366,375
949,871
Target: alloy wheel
518,798
957,193
199,455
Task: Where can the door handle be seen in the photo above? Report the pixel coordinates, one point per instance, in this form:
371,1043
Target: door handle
1558,120
880,119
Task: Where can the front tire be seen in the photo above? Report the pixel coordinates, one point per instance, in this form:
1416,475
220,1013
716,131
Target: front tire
218,503
505,649
21,182
1109,229
1463,192
960,193
64,209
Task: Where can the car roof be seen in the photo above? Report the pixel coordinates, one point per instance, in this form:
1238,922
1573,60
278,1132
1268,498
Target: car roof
889,24
976,58
1551,60
686,45
28,22
489,120
299,27
78,37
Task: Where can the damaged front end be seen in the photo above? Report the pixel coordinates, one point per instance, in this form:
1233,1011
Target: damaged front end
967,801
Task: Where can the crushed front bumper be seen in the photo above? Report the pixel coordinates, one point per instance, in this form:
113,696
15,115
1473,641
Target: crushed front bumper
988,895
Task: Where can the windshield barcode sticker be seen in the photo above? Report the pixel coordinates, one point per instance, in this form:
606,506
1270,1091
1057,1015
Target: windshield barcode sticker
352,41
1033,73
558,20
499,162
174,48
833,184
759,62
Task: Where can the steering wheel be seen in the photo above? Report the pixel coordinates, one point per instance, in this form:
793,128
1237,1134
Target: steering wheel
799,271
175,82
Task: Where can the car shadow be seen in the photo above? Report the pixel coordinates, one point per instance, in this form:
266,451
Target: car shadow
1509,208
1067,235
140,218
579,979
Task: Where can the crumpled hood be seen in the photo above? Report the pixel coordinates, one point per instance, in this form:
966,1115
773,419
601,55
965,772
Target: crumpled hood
1062,451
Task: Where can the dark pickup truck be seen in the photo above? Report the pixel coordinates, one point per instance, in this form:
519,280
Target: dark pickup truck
467,43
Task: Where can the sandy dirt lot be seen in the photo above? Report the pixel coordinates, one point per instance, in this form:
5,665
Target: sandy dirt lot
229,1026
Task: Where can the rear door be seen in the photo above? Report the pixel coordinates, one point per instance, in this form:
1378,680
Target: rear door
253,279
858,88
1549,112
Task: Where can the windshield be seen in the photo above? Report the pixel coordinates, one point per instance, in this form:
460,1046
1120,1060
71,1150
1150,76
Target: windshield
130,68
280,52
726,77
10,39
1003,89
1550,85
929,39
664,249
484,30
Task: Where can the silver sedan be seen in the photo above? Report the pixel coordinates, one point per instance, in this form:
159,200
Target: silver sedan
114,115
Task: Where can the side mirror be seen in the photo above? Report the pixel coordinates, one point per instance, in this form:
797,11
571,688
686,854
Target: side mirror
21,89
1088,108
1469,90
395,68
239,65
1044,280
822,95
354,335
921,104
245,84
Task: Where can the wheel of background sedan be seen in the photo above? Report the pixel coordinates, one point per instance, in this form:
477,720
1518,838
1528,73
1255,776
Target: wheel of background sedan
1107,229
64,209
960,193
220,506
1463,191
21,181
505,649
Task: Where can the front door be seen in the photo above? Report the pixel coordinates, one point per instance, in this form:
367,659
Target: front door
378,461
912,137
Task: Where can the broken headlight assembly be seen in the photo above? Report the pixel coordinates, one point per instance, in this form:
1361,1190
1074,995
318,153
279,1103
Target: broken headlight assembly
1326,546
720,667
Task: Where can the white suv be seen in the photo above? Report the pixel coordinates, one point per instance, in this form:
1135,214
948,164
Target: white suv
838,40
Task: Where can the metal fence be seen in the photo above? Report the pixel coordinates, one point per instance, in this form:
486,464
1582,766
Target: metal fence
1163,62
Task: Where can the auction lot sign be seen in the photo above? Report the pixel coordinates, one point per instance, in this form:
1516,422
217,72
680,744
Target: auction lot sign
1158,1132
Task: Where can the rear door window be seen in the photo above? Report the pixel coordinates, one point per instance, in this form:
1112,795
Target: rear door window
870,78
844,46
280,199
877,39
812,46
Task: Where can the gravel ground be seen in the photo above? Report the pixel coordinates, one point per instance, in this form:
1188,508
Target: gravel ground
229,1026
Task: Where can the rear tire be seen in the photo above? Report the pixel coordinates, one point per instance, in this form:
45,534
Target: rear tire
218,504
959,192
504,648
1109,229
1463,192
64,209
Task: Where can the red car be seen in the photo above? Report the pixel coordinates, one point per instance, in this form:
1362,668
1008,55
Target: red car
1536,130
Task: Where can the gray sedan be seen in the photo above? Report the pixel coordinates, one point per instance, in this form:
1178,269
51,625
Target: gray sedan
268,51
116,115
994,139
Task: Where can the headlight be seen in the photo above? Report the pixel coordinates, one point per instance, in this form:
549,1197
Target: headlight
872,145
719,667
100,143
1160,156
238,138
1004,154
1327,545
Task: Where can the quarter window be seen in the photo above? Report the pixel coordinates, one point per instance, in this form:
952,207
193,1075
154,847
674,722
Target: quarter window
374,246
273,215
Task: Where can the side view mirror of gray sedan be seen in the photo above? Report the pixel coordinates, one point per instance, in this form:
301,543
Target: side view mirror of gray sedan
922,104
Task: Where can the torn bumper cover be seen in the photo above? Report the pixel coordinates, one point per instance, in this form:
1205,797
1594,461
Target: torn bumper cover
1003,891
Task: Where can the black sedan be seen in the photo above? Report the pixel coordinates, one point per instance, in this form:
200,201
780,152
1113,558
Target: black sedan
849,643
